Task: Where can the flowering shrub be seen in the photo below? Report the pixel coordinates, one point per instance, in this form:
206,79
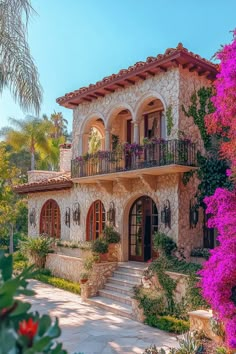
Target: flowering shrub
223,119
219,274
22,331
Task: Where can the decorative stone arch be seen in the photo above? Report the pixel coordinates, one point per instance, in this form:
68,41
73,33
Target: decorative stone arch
148,96
125,220
95,220
50,219
91,121
88,120
116,109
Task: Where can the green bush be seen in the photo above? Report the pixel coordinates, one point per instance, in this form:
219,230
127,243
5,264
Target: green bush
111,235
163,243
20,261
58,282
168,324
36,249
150,301
21,330
100,246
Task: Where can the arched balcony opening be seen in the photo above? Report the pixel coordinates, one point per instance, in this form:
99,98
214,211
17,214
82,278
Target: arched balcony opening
151,120
119,128
92,138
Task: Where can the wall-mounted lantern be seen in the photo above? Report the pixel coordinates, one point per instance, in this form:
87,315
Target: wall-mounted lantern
111,214
76,213
193,214
166,214
32,217
67,217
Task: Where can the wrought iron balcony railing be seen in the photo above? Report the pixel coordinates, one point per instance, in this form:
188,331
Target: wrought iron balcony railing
133,156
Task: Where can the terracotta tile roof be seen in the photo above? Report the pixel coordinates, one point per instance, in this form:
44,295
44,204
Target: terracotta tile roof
48,184
140,71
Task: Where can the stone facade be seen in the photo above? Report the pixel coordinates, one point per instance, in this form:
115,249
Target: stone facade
172,88
37,200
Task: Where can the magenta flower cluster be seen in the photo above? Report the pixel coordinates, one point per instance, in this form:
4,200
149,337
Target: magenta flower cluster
219,272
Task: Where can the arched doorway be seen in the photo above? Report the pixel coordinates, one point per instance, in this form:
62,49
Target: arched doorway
143,222
95,220
50,219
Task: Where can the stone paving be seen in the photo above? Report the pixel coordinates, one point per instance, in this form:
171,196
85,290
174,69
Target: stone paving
90,330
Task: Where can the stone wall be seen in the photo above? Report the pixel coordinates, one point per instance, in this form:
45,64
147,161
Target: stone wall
98,278
65,159
189,237
189,83
64,266
166,188
37,200
38,175
164,86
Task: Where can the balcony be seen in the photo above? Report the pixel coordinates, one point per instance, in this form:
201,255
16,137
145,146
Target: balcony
155,158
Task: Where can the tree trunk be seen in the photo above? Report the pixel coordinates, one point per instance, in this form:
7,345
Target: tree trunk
11,246
32,161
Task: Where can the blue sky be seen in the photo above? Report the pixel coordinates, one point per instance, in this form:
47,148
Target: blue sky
78,42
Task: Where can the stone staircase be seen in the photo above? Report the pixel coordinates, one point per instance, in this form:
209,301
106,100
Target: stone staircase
117,293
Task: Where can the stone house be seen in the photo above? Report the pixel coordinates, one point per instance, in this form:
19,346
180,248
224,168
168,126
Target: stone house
134,181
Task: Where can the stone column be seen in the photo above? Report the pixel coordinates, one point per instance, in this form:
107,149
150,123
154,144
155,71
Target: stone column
136,132
80,144
107,139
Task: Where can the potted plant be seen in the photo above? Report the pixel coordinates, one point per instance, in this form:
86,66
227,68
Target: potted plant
36,249
83,277
100,247
113,238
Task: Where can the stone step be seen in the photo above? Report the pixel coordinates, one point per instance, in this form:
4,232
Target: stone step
111,305
123,282
131,270
126,290
124,299
130,277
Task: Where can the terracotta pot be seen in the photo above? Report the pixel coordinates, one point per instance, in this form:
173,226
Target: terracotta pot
103,257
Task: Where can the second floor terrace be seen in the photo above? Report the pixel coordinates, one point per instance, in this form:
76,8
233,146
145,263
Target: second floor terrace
155,157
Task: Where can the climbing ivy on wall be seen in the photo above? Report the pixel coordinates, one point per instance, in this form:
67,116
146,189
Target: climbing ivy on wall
201,105
212,168
169,119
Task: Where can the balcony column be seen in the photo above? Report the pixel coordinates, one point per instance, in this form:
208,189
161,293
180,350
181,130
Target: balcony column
136,132
80,144
107,139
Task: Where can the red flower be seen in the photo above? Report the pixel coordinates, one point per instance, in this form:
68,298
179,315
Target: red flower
28,328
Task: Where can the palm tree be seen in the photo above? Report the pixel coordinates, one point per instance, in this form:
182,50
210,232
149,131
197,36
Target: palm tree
31,136
94,141
60,124
17,69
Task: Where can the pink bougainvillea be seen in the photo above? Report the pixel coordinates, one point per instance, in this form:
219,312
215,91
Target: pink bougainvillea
223,120
219,273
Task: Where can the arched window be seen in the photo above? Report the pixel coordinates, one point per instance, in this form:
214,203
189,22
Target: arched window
95,220
50,219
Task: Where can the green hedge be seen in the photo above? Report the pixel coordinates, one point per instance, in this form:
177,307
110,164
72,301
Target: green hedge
59,283
168,323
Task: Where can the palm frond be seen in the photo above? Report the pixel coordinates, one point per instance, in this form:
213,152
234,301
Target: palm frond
17,68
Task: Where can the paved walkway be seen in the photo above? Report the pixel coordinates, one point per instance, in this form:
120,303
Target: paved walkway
91,330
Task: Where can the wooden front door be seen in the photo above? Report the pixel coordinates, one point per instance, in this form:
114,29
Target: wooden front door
143,222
